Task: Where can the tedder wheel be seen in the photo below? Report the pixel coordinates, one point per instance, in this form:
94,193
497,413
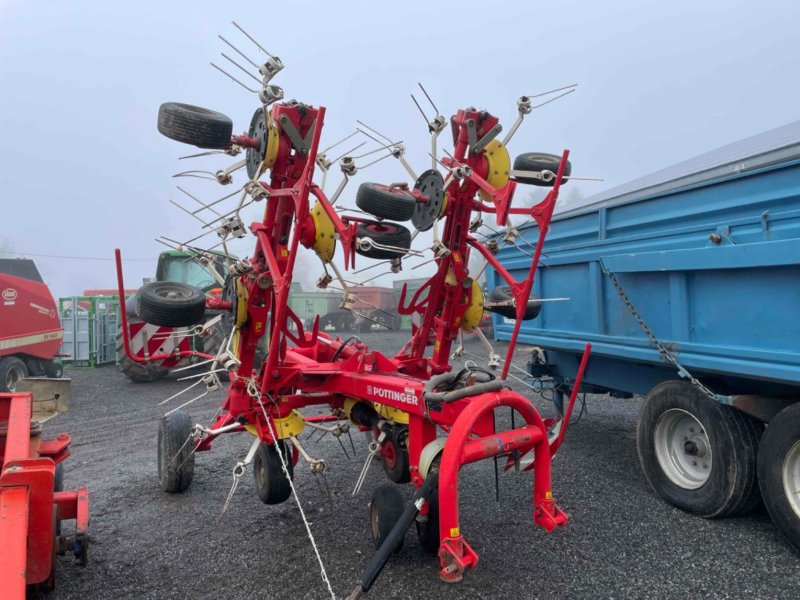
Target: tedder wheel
384,234
385,509
779,472
272,486
539,161
134,371
170,304
697,454
12,370
428,528
194,125
394,452
502,293
175,452
385,202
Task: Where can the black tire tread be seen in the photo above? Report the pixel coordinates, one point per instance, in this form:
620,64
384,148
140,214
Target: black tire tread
175,476
194,125
399,238
390,508
396,206
170,312
540,161
278,488
136,372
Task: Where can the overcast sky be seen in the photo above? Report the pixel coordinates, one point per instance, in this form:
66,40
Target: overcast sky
84,169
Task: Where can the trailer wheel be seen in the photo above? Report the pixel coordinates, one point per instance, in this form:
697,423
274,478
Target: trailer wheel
538,162
170,304
272,485
779,472
12,370
136,372
385,508
175,452
384,234
386,202
394,452
194,125
697,454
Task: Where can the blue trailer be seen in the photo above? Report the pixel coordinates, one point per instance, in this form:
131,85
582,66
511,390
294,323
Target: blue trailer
687,284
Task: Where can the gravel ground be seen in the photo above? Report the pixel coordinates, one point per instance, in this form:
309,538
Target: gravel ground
621,540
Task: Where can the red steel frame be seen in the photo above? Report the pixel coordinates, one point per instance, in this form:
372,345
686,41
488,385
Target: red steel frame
28,503
302,374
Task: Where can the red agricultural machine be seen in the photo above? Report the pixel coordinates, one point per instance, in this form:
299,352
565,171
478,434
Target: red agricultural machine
427,418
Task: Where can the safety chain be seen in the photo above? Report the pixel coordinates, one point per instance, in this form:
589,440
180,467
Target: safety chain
668,356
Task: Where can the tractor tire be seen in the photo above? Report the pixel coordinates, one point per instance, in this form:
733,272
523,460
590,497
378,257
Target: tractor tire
216,337
697,454
394,452
385,508
134,371
539,161
385,202
195,125
12,370
385,234
175,452
502,293
170,304
272,485
779,472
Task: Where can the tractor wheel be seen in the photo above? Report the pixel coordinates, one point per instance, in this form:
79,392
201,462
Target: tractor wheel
272,485
216,337
697,454
394,452
385,234
502,293
387,203
779,472
538,162
12,370
134,371
194,125
175,452
170,304
385,508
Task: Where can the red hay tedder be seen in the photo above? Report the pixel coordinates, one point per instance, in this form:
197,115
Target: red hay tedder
427,418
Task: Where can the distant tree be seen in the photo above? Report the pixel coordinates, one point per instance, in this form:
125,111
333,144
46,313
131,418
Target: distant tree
6,248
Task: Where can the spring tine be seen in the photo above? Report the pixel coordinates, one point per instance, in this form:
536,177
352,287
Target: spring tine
424,91
197,200
352,445
348,152
249,37
224,72
339,439
378,133
239,52
422,112
566,87
374,161
553,99
241,68
188,212
341,141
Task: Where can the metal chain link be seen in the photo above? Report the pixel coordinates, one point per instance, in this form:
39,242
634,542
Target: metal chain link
663,350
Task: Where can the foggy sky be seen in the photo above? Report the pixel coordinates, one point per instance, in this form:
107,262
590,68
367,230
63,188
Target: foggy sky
84,169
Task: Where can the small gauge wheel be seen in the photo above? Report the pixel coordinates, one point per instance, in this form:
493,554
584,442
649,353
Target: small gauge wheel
254,156
430,184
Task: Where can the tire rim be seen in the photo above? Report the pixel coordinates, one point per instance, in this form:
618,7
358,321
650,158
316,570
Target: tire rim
791,477
173,292
12,378
683,449
261,474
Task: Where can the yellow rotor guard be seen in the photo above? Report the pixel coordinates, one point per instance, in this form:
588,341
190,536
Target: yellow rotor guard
272,143
499,166
325,236
241,303
472,317
390,413
284,428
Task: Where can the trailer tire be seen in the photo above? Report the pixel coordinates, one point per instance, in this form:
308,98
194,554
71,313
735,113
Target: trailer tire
170,304
382,201
12,370
195,125
272,485
134,371
385,234
779,472
540,161
175,452
697,454
394,452
385,508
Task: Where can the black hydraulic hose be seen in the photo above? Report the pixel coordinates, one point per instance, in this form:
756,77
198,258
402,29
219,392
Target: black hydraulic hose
472,390
384,553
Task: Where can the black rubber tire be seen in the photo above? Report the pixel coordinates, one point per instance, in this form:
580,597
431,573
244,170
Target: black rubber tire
377,199
136,372
732,486
170,304
386,234
195,125
428,531
53,369
540,161
399,471
385,509
216,337
781,436
272,486
502,293
175,454
12,370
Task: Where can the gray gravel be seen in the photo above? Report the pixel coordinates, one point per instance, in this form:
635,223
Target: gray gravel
621,540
